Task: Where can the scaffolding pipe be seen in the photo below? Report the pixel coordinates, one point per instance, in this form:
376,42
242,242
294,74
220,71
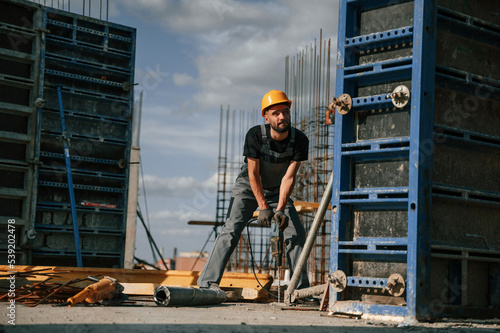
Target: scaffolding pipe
318,219
179,296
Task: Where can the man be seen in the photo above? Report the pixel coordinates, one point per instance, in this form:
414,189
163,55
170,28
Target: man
273,154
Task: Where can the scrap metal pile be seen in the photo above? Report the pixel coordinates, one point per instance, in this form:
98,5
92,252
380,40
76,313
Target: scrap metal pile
32,293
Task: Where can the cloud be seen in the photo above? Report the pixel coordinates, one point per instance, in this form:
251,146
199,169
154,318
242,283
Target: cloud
241,45
180,132
183,79
183,232
199,16
180,187
180,217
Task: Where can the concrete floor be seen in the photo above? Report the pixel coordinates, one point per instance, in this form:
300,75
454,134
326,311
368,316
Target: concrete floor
227,317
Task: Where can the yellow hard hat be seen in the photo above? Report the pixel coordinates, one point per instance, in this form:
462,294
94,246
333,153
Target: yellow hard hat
272,98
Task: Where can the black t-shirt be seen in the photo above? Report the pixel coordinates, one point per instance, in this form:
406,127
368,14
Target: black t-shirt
253,144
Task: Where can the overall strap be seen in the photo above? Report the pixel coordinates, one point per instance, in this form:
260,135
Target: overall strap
266,146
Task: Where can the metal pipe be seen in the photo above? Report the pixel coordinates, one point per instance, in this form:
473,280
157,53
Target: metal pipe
318,219
136,123
179,296
69,176
312,291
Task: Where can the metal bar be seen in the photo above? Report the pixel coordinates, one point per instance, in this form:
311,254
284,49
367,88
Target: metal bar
312,291
80,187
83,78
88,30
366,282
81,158
70,179
468,26
359,307
95,49
420,166
388,37
318,220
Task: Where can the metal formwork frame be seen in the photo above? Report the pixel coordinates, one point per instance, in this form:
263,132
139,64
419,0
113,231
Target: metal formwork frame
77,77
414,250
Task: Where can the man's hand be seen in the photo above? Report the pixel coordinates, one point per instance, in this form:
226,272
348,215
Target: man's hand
265,216
282,219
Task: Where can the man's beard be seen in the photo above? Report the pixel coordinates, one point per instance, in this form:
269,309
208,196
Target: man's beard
282,129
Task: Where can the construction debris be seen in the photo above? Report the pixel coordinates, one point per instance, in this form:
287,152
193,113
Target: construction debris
37,284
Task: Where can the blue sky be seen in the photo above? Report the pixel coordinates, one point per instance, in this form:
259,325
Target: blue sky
192,57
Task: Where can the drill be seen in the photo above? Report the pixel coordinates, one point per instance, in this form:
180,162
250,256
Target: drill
104,289
276,240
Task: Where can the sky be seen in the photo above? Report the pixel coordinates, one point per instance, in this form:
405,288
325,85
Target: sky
192,57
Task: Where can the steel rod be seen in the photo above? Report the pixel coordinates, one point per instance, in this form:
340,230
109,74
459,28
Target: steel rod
69,176
312,291
318,220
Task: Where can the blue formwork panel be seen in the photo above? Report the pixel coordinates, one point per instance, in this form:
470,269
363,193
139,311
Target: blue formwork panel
416,193
91,62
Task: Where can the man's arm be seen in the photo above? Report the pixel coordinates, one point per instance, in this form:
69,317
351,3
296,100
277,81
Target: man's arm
256,182
287,184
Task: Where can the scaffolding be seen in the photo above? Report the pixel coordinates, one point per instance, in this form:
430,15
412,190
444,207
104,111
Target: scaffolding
307,84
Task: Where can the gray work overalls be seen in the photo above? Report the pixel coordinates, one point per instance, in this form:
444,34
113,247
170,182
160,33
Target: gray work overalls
241,209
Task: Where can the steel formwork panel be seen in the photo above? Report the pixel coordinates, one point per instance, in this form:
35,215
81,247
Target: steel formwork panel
406,185
91,62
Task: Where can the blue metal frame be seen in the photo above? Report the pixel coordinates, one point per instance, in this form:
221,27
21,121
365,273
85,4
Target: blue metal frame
101,173
416,198
420,176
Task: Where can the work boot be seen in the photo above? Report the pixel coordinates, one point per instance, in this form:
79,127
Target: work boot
214,286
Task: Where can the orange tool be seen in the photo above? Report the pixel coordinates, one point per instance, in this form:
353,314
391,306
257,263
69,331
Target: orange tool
106,288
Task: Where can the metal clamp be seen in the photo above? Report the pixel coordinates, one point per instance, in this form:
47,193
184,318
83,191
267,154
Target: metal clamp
127,85
342,104
395,285
40,102
400,96
338,281
31,233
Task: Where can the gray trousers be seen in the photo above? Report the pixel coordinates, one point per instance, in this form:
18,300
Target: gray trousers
240,212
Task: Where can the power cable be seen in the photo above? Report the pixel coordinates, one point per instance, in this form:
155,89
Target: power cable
146,206
153,253
203,248
151,238
144,262
253,264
